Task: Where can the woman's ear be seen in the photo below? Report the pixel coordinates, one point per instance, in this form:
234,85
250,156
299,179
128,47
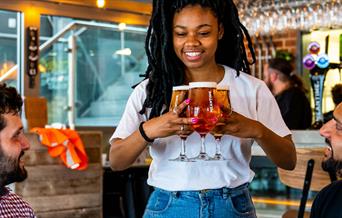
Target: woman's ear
221,31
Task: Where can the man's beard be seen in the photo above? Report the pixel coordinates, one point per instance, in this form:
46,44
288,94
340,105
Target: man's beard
332,165
10,170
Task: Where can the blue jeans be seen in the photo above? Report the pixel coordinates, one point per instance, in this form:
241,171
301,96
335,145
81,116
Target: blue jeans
214,203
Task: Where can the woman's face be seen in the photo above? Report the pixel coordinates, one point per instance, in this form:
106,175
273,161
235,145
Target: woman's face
195,36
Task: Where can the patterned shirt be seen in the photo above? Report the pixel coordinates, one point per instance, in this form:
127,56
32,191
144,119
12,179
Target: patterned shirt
13,206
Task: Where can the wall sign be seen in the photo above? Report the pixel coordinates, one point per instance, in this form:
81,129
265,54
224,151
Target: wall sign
33,55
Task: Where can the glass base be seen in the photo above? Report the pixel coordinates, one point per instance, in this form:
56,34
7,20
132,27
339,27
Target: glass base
182,158
202,156
218,157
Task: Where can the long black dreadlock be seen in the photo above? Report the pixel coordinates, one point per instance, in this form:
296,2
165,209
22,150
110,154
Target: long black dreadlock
166,70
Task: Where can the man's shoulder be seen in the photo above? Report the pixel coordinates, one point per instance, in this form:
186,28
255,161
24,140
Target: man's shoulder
12,204
327,202
333,187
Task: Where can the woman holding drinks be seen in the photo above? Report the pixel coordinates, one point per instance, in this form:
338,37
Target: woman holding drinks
199,41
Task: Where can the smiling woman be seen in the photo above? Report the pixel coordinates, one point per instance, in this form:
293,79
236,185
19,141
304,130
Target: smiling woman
199,41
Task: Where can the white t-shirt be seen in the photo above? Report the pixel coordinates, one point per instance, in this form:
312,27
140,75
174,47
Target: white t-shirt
249,97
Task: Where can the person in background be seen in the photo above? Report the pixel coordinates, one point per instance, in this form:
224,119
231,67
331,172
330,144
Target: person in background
13,144
336,93
289,93
327,203
197,41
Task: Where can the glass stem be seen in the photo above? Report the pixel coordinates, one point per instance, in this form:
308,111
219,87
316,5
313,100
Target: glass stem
182,147
218,145
202,144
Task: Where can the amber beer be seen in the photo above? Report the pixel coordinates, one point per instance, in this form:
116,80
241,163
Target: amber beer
179,94
203,106
223,100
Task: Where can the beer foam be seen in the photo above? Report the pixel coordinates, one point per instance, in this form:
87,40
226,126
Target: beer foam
175,88
203,84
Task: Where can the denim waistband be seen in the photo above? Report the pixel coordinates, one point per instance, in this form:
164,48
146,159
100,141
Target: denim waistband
209,192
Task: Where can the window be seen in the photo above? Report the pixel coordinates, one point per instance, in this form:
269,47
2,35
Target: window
9,49
106,62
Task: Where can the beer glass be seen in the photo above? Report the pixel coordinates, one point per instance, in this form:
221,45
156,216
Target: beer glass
179,93
204,108
223,100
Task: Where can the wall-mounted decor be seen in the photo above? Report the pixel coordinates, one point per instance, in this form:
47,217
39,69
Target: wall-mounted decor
33,54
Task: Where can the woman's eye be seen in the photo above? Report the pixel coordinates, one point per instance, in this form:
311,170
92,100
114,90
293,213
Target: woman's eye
180,34
204,33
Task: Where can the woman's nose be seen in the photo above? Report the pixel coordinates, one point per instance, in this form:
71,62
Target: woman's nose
192,40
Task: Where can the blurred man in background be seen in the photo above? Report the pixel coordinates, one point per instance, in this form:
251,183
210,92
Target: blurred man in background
328,202
289,92
13,143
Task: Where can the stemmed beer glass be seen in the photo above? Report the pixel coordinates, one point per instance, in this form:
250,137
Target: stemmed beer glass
222,97
179,94
204,108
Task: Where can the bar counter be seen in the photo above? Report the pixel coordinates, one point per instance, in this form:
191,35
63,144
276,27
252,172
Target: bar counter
301,139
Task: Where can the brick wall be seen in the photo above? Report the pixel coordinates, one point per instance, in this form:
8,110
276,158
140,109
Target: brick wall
266,46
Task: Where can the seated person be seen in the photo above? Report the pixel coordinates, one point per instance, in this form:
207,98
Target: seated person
289,92
328,202
336,93
13,144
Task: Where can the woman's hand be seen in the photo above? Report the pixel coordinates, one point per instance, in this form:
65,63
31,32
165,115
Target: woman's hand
240,126
279,149
169,124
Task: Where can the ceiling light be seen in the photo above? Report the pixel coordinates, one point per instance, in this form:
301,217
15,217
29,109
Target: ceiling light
100,3
125,51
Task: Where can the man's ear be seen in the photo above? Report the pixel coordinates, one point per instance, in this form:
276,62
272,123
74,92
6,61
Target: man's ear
221,31
273,76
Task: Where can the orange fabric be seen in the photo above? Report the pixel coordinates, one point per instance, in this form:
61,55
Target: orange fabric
66,144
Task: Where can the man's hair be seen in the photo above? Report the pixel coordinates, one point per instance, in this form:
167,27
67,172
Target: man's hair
10,102
336,92
166,70
286,72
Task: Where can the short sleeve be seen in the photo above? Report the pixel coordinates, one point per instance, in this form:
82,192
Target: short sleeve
131,117
268,111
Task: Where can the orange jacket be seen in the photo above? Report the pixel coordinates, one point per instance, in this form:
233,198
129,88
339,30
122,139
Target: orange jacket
65,143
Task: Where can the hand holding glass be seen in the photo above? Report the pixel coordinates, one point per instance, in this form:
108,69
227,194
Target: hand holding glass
179,94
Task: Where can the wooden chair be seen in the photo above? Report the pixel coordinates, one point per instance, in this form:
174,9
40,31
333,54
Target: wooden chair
307,175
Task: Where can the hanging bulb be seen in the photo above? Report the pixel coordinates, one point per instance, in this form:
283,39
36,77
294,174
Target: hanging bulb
100,3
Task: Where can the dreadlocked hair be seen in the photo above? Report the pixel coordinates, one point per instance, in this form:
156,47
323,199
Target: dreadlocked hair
165,70
10,103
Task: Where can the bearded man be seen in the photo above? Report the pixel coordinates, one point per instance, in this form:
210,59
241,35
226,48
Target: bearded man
13,144
327,203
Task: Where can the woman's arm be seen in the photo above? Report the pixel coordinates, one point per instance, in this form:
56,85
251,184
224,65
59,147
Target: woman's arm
123,152
280,150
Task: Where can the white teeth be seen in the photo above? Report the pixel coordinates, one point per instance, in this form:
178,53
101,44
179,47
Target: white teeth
192,54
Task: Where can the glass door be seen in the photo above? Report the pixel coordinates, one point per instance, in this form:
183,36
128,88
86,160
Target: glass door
9,47
87,69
